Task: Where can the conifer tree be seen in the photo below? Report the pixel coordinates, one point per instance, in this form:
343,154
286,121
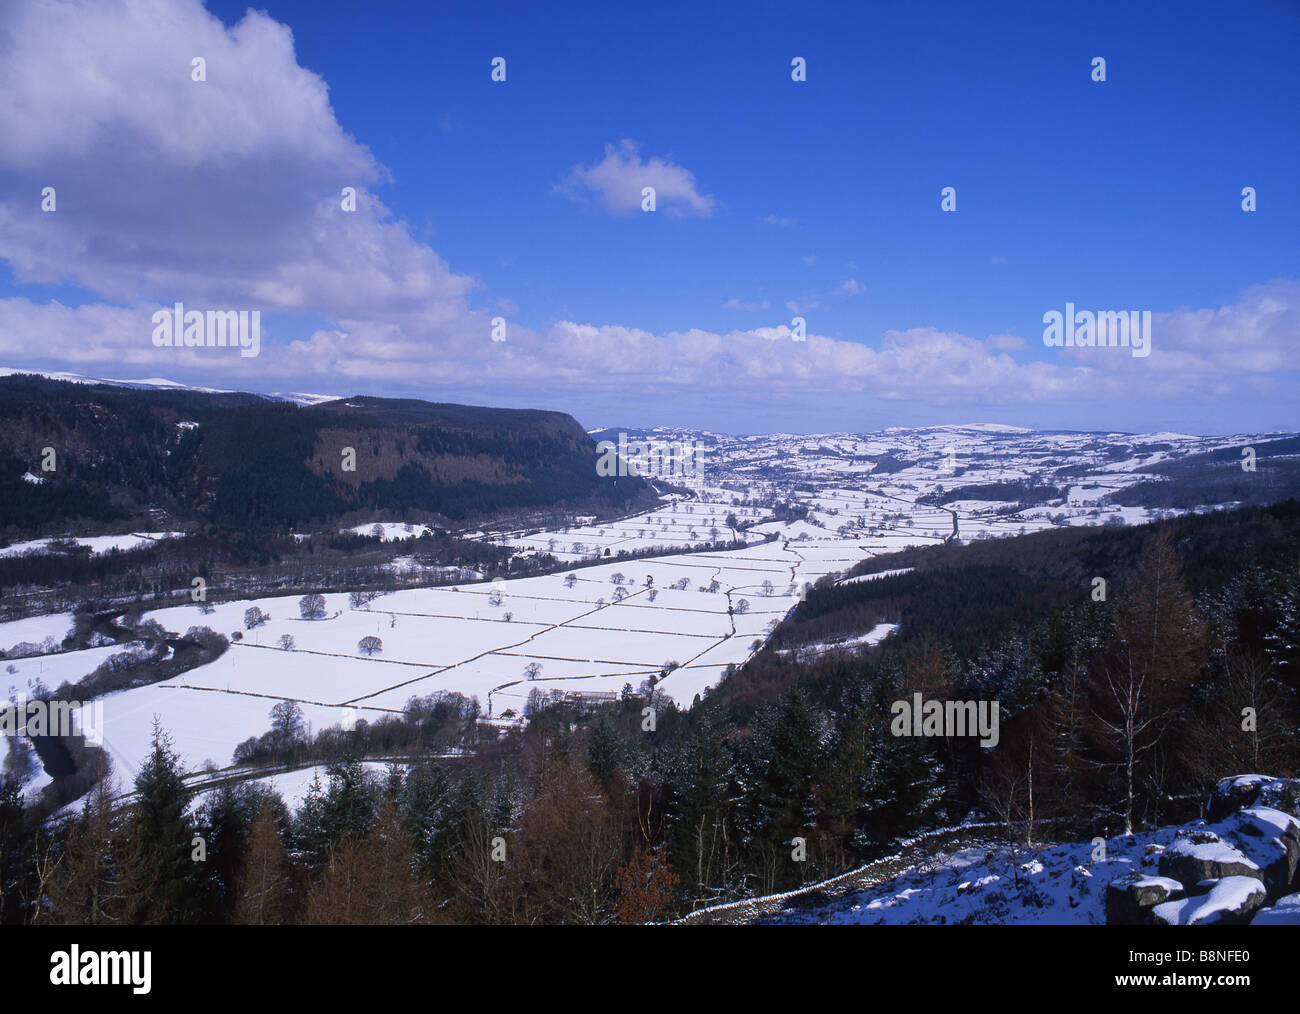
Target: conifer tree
87,888
426,804
163,881
15,850
264,884
701,810
604,752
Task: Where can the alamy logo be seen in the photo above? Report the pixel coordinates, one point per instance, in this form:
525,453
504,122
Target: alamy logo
103,968
919,717
182,328
1103,329
650,458
39,717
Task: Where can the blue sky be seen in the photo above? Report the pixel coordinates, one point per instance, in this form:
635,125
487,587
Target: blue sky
820,198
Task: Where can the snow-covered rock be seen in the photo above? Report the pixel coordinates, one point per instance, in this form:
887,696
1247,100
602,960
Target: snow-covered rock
1203,855
1130,898
1242,791
1245,862
1283,912
1230,902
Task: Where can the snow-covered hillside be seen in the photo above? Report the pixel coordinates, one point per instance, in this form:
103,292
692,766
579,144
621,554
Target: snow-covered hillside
1241,865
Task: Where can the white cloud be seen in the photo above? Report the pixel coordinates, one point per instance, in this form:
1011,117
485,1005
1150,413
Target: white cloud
1238,349
736,304
785,223
224,192
852,287
616,181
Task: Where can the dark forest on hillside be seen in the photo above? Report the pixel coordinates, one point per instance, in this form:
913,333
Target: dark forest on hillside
182,458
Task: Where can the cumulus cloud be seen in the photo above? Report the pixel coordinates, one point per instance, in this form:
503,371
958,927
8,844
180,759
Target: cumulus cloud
1242,348
226,191
616,182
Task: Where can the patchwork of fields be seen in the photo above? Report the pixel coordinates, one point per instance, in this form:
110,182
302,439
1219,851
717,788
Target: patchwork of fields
800,508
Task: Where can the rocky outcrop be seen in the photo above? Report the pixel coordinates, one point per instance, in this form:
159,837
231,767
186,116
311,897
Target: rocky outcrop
1130,899
1283,912
1231,901
1203,855
1244,791
1241,866
1279,835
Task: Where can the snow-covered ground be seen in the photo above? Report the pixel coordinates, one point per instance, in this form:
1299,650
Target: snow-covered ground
35,629
292,786
455,638
1067,883
877,575
99,544
391,530
874,636
52,670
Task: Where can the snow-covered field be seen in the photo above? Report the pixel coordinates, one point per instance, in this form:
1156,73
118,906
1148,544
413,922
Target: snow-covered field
874,636
455,639
676,525
98,544
35,629
52,670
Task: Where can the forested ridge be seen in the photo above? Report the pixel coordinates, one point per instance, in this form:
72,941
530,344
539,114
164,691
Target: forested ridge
183,458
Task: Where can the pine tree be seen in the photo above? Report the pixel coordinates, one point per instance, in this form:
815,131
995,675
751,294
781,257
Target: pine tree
780,772
1283,641
343,811
163,881
311,842
604,752
392,894
700,810
226,819
569,847
426,804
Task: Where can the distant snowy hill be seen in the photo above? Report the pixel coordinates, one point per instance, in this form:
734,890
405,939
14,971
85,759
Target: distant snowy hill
163,384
